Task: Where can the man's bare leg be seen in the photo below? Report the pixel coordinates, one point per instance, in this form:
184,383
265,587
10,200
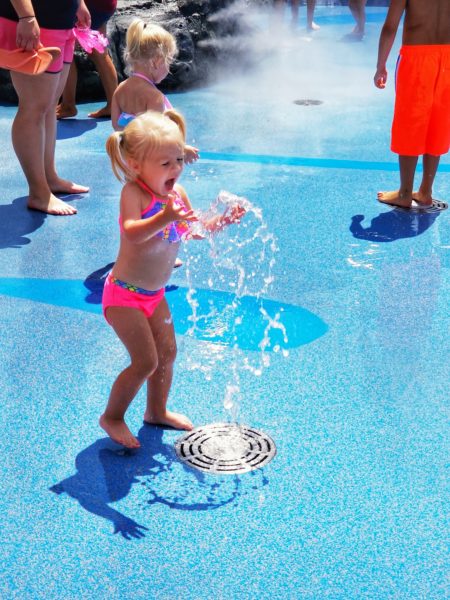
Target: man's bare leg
160,382
29,135
424,197
68,106
404,196
108,77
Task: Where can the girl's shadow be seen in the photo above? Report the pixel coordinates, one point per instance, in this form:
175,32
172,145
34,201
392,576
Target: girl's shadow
393,225
106,473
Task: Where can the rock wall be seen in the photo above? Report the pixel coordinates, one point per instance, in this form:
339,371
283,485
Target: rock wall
206,32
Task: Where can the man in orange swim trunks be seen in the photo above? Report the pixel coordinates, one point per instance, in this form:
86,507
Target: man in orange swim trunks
421,124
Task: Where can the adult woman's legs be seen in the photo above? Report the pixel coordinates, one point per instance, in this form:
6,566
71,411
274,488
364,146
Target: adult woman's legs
358,10
33,142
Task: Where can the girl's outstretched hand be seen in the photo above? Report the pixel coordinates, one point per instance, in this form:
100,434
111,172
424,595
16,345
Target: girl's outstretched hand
232,215
174,211
190,154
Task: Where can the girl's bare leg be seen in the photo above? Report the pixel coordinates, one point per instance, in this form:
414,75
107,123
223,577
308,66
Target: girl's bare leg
404,196
133,329
425,194
159,383
30,135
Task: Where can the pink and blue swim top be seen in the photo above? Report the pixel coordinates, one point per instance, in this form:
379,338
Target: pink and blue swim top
125,117
176,231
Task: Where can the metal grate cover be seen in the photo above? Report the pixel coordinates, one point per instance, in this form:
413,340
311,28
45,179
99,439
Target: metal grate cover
222,448
436,206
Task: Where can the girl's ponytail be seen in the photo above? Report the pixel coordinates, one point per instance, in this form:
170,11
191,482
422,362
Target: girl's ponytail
119,166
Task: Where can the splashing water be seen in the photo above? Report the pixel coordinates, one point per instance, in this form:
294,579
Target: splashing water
240,263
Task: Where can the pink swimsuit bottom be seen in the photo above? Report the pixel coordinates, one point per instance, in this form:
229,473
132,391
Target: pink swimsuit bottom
120,293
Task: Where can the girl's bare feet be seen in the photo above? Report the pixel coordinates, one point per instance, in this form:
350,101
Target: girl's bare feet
118,431
394,199
51,206
171,419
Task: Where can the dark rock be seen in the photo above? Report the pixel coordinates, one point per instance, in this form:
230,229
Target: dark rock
204,30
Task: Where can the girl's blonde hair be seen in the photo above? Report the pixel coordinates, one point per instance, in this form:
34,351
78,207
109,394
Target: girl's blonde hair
142,137
147,41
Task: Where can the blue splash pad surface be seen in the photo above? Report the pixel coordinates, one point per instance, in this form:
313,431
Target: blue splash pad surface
355,503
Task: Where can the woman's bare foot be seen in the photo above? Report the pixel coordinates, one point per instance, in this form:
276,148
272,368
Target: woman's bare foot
118,431
102,113
172,419
422,199
51,206
65,111
356,35
394,199
62,186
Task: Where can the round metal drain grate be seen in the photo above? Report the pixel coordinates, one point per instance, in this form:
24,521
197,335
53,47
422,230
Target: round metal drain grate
436,206
308,102
222,448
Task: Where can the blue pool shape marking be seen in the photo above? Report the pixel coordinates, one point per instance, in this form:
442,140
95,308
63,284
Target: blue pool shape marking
301,325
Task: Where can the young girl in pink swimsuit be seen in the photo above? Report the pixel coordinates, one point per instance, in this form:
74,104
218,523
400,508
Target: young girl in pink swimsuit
149,52
155,216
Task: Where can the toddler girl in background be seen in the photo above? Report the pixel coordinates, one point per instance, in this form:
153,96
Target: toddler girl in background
149,52
155,214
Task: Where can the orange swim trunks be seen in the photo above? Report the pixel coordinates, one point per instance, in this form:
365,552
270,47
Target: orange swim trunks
421,123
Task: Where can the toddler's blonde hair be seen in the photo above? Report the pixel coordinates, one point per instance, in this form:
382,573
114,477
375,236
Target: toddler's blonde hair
147,41
142,137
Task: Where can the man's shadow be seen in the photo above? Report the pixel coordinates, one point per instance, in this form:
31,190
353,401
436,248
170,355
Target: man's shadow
393,225
106,473
17,222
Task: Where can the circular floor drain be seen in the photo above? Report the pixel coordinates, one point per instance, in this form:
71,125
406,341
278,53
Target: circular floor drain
308,102
436,206
225,448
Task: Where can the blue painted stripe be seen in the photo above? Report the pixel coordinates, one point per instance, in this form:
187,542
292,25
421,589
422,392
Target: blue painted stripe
302,161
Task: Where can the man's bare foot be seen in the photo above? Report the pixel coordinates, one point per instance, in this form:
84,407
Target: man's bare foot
51,206
394,199
422,199
313,27
102,113
65,111
119,432
62,186
172,419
